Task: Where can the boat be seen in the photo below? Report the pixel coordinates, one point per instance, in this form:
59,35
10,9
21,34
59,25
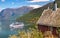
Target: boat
16,25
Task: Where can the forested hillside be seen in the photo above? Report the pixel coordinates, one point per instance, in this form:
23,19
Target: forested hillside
32,17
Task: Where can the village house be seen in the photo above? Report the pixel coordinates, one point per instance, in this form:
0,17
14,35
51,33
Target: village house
49,21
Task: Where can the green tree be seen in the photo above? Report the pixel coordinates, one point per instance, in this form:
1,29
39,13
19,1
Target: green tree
58,31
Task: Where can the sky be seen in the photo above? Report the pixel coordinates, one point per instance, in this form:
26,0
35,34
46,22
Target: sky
19,3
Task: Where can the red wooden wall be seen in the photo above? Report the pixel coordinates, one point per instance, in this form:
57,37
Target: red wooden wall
44,28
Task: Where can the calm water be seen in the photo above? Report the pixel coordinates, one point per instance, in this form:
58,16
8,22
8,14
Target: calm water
5,30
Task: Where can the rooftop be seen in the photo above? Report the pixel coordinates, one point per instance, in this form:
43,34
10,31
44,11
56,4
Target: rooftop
50,18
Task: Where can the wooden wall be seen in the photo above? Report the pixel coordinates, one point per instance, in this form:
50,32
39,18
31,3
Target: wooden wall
45,28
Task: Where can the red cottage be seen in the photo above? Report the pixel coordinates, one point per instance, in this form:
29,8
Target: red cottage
49,20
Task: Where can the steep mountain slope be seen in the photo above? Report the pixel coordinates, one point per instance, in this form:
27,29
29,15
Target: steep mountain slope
11,14
32,17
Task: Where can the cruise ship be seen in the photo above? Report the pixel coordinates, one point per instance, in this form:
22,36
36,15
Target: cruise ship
16,25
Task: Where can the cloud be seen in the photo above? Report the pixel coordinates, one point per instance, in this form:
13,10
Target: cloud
34,6
3,0
39,0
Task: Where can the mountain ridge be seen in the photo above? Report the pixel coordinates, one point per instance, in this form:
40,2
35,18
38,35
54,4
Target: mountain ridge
7,13
32,17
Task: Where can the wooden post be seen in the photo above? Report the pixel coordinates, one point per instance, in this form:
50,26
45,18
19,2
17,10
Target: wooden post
51,28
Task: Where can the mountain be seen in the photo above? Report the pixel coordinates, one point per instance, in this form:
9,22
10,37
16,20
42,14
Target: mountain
13,13
32,17
35,13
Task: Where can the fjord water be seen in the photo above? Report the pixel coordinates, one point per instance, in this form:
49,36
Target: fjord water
5,30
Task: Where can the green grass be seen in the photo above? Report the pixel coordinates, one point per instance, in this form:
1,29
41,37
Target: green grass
30,18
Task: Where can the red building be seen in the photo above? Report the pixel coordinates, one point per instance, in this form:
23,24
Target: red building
50,20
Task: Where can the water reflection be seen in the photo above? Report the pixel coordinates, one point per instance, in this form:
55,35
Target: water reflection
5,29
16,25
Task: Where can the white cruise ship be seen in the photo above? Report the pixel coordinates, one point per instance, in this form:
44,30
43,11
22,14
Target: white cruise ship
16,25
